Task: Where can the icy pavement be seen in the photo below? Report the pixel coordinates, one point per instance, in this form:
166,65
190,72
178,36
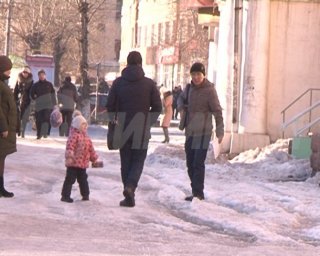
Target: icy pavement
260,203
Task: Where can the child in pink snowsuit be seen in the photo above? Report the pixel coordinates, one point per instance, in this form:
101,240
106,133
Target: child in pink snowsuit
79,152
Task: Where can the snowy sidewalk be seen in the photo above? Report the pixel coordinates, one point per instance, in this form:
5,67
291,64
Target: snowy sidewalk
261,203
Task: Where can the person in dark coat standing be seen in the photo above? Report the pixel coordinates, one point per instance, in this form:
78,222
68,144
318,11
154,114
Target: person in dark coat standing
67,98
203,103
22,97
8,120
103,86
176,93
45,97
138,102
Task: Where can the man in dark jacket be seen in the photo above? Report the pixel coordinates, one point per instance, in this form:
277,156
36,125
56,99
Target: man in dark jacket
202,103
137,101
67,98
8,120
45,97
22,97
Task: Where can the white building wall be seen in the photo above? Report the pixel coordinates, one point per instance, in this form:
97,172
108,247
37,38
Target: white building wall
224,77
294,61
254,91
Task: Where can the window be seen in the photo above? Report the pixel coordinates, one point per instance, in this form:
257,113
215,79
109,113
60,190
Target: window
153,35
159,33
167,32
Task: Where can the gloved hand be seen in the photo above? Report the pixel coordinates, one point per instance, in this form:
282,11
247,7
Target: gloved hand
69,161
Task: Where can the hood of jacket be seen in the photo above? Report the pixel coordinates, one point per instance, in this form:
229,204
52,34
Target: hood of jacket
67,84
22,79
132,73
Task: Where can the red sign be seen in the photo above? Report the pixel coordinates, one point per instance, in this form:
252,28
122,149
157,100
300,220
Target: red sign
169,55
40,60
196,3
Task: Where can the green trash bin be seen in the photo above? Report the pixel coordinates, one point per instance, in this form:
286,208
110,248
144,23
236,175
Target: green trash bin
301,147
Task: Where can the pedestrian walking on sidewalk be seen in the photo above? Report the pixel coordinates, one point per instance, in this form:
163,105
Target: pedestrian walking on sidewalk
167,100
200,102
79,152
137,101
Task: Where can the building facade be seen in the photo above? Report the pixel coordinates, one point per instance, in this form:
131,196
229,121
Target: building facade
261,54
168,36
273,61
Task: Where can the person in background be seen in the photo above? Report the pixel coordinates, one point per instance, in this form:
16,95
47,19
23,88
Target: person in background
8,120
176,92
167,99
45,98
67,99
79,152
203,103
138,102
22,97
103,86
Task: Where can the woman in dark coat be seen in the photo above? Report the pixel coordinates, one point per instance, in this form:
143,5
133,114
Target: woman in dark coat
22,97
8,120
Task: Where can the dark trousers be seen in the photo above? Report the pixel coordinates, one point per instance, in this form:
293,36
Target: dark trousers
43,122
25,113
196,148
132,162
175,112
66,122
73,174
2,161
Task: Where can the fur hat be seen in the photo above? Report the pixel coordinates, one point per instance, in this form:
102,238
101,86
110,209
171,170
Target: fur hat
198,67
134,58
5,63
77,121
26,69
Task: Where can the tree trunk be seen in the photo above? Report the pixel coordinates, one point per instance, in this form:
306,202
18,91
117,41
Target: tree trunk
85,83
58,52
85,90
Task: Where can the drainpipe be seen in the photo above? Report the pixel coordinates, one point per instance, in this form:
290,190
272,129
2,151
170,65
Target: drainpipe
237,63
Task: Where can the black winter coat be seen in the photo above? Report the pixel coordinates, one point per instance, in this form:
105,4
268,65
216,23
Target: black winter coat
138,101
22,91
44,95
8,120
67,96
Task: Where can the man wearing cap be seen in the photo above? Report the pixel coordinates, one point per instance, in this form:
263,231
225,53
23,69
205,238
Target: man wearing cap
8,120
22,97
200,101
137,101
45,98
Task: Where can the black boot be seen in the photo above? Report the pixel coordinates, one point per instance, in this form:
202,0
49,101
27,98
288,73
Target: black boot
66,199
128,201
3,191
166,135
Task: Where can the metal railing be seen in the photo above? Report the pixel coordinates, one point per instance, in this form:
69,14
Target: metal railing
308,110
